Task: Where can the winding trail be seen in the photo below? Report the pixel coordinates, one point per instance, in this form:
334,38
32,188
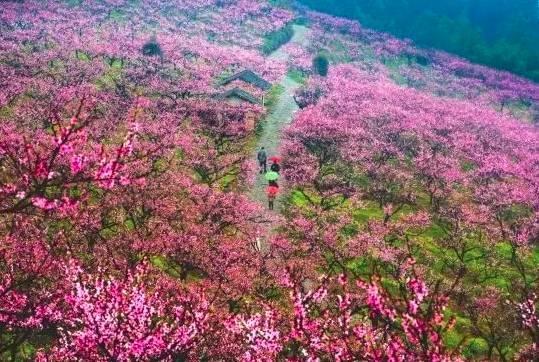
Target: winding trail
280,117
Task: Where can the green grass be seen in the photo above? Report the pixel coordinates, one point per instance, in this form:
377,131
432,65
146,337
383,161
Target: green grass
297,76
111,76
337,52
161,263
393,65
80,55
117,15
273,96
371,211
174,269
228,181
6,112
73,3
271,100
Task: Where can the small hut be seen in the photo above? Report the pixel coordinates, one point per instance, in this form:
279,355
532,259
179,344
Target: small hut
248,76
237,94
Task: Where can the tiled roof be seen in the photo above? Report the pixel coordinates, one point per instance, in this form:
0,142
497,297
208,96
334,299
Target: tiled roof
250,77
240,93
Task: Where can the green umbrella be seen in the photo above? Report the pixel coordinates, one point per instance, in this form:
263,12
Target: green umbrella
272,176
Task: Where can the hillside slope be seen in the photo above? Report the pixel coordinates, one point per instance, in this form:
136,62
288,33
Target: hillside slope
132,216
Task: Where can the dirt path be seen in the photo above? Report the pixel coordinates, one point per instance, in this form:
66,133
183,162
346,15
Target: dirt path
281,116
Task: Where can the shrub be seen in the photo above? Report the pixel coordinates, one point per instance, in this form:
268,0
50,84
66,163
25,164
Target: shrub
152,48
321,65
305,97
535,114
276,39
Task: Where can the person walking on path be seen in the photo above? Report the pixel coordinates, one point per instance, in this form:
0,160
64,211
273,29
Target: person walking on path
275,167
272,194
272,178
262,160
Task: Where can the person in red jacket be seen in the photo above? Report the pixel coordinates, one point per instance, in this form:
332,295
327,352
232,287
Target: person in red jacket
272,194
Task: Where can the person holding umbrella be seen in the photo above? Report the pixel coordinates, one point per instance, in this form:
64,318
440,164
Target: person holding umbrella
272,178
275,164
272,194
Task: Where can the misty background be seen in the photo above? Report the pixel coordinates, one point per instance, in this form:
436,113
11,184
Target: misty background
503,34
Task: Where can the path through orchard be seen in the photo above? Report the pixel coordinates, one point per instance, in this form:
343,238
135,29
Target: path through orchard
281,115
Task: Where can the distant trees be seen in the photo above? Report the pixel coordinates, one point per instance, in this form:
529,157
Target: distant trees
276,39
321,65
502,34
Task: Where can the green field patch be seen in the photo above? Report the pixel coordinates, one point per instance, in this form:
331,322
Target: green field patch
370,211
83,56
117,15
111,76
73,3
475,347
228,181
161,263
6,112
273,96
297,76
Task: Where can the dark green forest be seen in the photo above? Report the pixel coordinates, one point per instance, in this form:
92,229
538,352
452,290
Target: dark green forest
503,34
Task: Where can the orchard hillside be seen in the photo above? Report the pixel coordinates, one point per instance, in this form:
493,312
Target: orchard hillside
134,220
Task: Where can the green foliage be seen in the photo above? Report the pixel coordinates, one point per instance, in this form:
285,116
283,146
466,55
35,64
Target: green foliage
297,76
80,55
501,33
73,3
167,266
117,16
369,212
301,21
276,39
6,112
151,48
473,348
112,76
273,97
25,352
321,65
286,4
